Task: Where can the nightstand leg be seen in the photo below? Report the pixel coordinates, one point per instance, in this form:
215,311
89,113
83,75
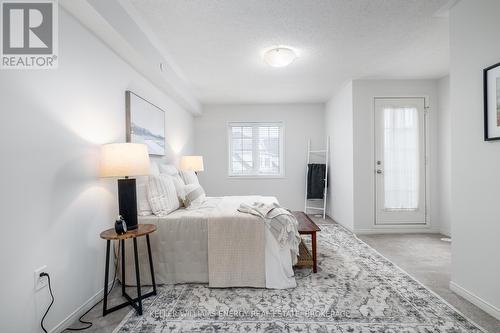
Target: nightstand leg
123,266
106,277
151,268
313,238
137,278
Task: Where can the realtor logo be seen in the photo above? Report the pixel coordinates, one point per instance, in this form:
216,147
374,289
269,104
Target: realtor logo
29,34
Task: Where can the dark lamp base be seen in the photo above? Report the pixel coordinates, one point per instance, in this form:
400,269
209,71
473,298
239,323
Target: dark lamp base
127,200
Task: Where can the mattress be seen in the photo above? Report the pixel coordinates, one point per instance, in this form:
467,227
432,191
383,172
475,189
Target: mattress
180,247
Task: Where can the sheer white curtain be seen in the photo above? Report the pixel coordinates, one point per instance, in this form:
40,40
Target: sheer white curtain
401,158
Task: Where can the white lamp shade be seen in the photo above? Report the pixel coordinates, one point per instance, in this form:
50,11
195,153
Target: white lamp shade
124,159
193,163
280,56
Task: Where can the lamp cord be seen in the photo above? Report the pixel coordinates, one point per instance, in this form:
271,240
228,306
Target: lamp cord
80,319
51,302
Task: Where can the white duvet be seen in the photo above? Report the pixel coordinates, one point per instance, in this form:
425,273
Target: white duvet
180,246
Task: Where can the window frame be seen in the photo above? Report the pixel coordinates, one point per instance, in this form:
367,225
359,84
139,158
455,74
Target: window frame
254,124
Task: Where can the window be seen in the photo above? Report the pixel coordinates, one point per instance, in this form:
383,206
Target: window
401,157
255,149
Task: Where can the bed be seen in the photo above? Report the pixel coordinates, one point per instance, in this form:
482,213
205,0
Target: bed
197,246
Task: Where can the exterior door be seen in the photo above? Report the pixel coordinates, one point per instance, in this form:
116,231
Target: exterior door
400,161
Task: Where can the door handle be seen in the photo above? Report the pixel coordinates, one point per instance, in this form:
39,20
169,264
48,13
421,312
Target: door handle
379,172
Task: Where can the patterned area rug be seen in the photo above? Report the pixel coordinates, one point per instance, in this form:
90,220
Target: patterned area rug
355,290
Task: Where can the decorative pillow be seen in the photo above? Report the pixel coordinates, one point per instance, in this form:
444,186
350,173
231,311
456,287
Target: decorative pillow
143,207
169,169
189,177
195,196
179,188
154,168
162,195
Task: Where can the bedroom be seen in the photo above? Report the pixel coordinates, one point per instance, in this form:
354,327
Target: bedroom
203,65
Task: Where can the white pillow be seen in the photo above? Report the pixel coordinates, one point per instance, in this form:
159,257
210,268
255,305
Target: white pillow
179,188
162,195
169,169
154,168
194,196
143,207
189,177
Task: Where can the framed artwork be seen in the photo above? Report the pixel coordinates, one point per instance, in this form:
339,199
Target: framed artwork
491,78
145,123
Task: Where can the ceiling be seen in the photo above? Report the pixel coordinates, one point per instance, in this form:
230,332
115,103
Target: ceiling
218,44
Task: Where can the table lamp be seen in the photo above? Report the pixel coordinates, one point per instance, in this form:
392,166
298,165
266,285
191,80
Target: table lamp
125,160
193,163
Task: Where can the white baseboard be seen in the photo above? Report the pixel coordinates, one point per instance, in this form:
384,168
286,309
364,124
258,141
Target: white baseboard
390,229
477,301
72,317
347,227
396,230
342,224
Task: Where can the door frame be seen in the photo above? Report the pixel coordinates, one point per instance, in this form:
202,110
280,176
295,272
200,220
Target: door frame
427,223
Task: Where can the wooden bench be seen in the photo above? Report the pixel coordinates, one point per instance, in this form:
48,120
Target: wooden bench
307,227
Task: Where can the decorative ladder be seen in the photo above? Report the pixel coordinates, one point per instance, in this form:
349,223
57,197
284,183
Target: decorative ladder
326,153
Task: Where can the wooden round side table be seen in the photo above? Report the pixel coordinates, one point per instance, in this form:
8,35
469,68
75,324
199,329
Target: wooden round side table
109,235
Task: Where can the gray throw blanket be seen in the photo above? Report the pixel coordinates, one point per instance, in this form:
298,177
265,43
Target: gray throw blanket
282,224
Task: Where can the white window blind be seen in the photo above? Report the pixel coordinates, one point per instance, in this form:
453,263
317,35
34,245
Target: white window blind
255,149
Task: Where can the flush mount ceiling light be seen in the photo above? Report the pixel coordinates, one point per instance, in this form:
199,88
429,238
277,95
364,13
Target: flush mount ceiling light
279,56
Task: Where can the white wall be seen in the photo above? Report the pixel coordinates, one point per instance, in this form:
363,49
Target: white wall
475,177
339,126
53,204
301,121
364,92
444,155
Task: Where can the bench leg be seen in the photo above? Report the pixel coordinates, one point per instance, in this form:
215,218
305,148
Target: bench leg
313,238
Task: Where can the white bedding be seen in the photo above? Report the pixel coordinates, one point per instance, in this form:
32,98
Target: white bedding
236,248
180,246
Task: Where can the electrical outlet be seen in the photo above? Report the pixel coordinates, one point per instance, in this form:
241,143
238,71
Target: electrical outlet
41,281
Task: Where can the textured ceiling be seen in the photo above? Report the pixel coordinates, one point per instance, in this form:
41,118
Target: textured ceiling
218,43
